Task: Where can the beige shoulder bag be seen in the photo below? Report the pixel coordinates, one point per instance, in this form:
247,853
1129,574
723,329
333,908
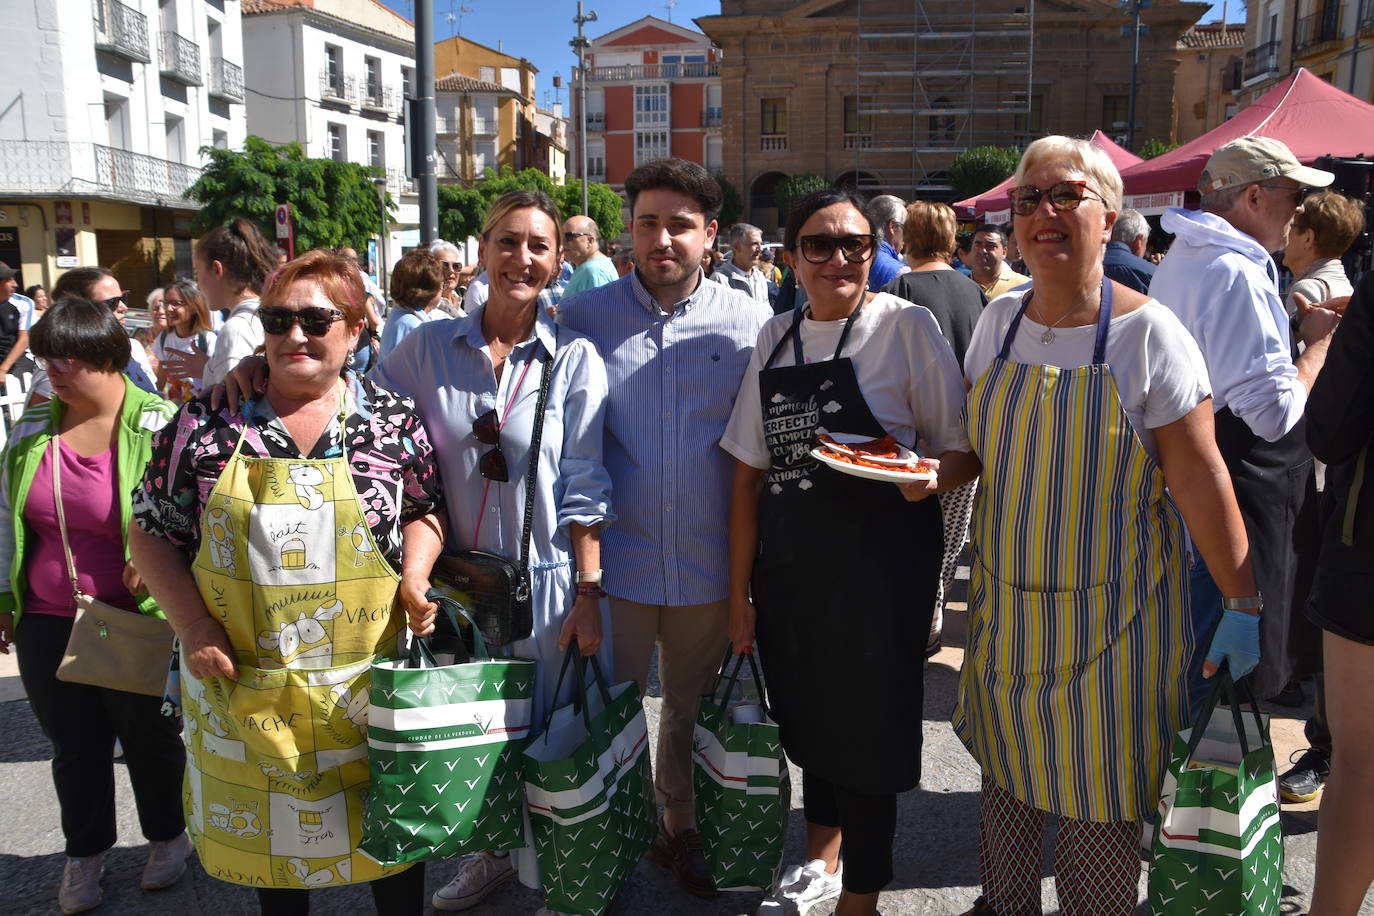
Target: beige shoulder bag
109,646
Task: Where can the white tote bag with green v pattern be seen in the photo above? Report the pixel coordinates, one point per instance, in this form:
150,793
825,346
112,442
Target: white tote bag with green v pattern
741,784
444,749
1218,846
590,792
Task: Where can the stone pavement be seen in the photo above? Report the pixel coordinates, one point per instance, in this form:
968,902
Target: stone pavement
936,848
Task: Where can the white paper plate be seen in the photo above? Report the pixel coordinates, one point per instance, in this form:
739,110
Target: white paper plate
905,456
856,470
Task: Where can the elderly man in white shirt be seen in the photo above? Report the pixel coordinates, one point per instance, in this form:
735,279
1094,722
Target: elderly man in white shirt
1220,280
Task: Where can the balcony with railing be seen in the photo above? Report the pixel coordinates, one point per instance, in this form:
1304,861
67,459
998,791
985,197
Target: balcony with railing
1317,32
180,59
1367,19
1262,61
226,80
121,30
35,168
484,127
773,143
448,126
627,72
335,87
858,141
397,183
376,97
596,120
711,117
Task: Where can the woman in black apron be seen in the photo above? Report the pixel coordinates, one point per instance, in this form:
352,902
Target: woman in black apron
843,571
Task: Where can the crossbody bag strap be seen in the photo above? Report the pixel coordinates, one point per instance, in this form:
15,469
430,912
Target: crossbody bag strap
62,516
538,433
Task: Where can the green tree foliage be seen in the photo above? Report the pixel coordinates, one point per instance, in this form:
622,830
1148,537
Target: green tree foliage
461,209
1152,148
792,189
982,168
732,205
333,203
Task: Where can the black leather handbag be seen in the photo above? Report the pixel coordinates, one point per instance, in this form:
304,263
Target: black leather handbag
494,590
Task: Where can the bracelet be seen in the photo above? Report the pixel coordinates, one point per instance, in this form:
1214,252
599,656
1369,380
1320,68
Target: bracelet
590,591
1251,603
587,577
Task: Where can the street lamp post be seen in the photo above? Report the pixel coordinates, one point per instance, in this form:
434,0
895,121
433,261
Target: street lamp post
581,44
382,278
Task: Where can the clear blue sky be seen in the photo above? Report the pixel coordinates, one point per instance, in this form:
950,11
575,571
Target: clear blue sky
539,30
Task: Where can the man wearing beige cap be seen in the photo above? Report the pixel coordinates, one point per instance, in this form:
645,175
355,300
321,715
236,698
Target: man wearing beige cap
1222,283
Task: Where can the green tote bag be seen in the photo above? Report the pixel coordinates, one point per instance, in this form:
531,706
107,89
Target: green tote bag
444,747
589,791
742,789
1218,846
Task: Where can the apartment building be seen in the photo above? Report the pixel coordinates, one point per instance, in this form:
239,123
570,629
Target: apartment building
653,90
104,107
512,124
1334,39
1209,67
332,75
850,90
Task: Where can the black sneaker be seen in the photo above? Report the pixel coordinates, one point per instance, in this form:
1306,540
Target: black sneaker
1304,781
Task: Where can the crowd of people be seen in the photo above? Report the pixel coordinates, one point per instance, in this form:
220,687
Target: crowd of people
1125,448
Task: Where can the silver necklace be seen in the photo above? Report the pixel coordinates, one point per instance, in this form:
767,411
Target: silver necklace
1047,338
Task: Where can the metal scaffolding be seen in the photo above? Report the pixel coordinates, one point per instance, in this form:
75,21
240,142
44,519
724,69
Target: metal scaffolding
945,76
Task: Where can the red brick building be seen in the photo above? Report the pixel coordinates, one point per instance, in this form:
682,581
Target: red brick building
653,90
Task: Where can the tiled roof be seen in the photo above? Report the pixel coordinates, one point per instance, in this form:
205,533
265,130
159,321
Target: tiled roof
459,82
269,6
1212,35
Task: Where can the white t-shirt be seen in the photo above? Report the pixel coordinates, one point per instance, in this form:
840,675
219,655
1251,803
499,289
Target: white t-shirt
172,342
905,368
1159,371
240,336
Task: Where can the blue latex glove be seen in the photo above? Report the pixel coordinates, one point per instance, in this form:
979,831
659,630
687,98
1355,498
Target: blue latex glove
1237,641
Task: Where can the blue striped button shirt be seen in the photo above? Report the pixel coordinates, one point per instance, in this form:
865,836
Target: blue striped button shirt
673,379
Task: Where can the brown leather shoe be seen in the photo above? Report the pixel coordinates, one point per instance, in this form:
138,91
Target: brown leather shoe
682,855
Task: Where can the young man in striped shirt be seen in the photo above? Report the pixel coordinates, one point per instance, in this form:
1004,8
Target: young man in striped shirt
676,346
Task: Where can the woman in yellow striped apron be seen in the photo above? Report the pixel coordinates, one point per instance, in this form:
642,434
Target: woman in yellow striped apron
296,508
1087,400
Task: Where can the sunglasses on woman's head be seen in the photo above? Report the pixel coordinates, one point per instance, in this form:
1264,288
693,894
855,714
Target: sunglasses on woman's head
821,248
486,429
1066,195
114,302
314,320
59,365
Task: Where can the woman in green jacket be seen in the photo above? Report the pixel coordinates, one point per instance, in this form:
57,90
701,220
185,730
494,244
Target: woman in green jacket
97,432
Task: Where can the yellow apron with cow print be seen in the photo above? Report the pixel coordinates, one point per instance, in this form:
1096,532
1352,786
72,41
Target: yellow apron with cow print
276,766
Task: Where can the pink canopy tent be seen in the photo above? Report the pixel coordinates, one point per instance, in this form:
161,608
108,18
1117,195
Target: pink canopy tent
1307,113
995,204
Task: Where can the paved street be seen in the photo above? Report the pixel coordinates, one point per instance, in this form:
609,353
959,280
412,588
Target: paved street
936,861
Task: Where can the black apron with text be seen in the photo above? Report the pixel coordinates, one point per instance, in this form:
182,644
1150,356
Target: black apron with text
1276,489
844,584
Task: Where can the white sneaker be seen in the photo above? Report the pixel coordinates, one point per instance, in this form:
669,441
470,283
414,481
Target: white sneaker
800,888
80,889
166,863
478,875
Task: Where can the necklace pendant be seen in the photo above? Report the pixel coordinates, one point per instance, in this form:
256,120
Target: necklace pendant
1047,338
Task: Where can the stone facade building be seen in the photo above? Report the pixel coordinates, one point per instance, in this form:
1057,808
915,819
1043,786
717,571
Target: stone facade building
883,94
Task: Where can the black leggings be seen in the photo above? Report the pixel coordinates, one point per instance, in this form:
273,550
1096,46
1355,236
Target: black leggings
82,723
867,824
403,892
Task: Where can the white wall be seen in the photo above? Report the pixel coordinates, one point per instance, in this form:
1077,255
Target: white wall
53,84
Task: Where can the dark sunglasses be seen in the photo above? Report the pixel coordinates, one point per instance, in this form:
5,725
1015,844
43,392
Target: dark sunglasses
114,302
313,320
1066,195
487,430
574,236
821,248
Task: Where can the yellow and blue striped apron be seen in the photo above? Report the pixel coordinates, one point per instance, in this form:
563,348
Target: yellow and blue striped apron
1073,680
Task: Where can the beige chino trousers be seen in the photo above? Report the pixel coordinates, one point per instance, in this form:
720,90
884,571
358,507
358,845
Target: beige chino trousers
691,642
